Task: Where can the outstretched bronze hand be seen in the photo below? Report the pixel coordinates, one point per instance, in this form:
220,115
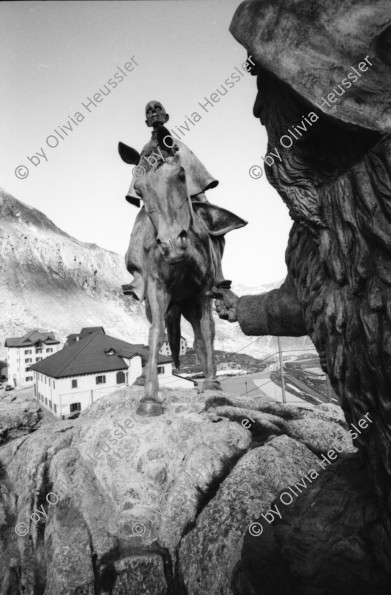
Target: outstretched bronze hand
225,301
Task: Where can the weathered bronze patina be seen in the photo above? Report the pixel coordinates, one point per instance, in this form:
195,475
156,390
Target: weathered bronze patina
336,182
179,259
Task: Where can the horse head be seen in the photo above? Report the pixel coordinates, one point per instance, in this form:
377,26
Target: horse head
163,191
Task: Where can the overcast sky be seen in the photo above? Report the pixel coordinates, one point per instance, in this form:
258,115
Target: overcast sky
54,55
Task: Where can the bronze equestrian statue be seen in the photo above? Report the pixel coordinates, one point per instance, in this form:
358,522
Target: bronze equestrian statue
181,260
332,59
199,181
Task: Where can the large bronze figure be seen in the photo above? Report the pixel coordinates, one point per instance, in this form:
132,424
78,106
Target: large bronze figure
332,60
180,260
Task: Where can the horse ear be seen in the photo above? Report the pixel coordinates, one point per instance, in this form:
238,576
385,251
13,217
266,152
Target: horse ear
128,154
218,221
165,141
133,200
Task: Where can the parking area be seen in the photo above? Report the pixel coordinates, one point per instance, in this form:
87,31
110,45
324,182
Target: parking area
25,393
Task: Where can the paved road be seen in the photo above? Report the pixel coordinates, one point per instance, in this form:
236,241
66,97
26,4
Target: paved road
242,385
260,385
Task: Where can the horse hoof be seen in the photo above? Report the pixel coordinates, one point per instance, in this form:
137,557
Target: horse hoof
211,385
149,409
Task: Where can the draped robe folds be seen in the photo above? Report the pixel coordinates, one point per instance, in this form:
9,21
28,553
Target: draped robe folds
198,178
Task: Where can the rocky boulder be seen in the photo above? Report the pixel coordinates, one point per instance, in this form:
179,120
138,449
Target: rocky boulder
115,503
18,416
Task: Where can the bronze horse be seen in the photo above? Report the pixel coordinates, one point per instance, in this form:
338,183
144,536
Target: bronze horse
180,260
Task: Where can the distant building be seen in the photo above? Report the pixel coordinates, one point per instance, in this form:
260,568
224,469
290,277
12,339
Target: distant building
91,367
33,347
71,339
165,348
83,333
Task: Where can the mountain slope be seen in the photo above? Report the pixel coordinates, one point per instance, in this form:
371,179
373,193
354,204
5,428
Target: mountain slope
51,281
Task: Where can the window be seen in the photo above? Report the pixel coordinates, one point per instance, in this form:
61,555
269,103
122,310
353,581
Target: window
120,378
54,384
50,405
27,351
28,360
50,350
74,407
74,383
27,369
46,401
38,359
55,408
160,369
100,379
38,350
29,378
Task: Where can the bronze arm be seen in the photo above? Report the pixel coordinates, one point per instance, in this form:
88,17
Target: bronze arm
276,312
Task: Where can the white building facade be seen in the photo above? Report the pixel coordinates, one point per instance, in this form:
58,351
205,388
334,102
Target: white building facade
65,396
167,378
166,350
24,351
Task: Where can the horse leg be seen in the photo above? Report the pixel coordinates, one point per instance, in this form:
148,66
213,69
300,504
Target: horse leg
148,312
207,327
140,381
158,301
192,312
199,314
173,324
